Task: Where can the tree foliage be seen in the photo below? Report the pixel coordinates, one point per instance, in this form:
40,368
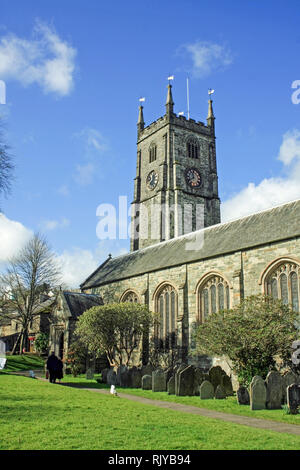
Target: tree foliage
115,329
27,276
41,343
252,335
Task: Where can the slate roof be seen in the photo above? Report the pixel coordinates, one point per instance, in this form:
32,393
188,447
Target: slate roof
273,225
78,302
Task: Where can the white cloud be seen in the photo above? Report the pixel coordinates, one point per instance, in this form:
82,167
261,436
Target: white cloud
54,224
271,191
64,190
13,237
84,174
76,265
207,57
93,139
46,60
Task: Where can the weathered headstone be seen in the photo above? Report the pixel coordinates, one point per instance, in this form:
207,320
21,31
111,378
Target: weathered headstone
168,373
243,397
111,377
186,382
89,375
198,379
121,369
293,398
171,385
147,382
220,392
288,378
104,373
177,372
227,385
258,393
274,390
125,378
206,390
159,383
135,377
216,375
147,370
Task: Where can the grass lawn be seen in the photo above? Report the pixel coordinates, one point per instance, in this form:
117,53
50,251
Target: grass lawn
39,415
23,362
229,405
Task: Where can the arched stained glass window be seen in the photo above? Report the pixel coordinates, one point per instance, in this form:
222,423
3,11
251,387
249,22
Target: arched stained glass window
282,283
213,295
294,291
167,306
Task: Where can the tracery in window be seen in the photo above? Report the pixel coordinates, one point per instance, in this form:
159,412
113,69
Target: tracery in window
213,296
166,303
282,282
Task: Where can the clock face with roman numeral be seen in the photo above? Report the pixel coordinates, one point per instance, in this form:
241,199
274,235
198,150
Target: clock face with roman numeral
193,177
152,179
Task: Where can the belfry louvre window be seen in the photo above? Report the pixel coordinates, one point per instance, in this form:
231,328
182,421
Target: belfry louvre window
283,283
192,149
167,307
213,296
152,153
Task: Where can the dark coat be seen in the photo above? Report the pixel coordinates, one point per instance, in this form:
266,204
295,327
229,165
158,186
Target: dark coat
52,362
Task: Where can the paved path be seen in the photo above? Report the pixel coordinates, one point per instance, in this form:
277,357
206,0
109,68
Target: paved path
237,419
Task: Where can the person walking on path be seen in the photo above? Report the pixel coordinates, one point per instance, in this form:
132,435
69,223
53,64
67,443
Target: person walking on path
52,367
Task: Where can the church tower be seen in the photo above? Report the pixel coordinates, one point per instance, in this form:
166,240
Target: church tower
176,183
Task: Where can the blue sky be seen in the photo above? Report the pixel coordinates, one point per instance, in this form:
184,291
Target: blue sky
74,71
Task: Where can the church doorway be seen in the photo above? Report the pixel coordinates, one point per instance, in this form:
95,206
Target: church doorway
61,346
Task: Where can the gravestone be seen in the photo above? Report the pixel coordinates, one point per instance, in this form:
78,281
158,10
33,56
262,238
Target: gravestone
242,395
227,385
198,379
135,377
168,373
177,372
147,370
216,374
147,382
89,375
121,369
186,382
288,378
220,392
104,373
111,377
206,390
125,378
171,386
293,398
258,393
274,390
159,383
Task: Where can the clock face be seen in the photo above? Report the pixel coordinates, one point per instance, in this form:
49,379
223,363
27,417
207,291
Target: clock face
152,179
193,177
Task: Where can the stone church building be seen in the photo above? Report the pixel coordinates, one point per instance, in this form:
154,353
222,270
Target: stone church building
184,263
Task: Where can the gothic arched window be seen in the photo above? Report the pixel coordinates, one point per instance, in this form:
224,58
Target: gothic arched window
130,296
213,296
192,148
152,153
282,282
166,304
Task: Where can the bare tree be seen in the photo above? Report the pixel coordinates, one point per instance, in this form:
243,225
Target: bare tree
6,165
26,277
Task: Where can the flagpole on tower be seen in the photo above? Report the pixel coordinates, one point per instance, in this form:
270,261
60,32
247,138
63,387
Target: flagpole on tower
188,98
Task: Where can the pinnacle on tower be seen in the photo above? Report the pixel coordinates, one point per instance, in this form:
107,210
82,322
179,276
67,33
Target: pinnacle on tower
141,122
169,102
210,116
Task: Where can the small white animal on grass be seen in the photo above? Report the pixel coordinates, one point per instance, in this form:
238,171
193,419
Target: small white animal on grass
113,391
